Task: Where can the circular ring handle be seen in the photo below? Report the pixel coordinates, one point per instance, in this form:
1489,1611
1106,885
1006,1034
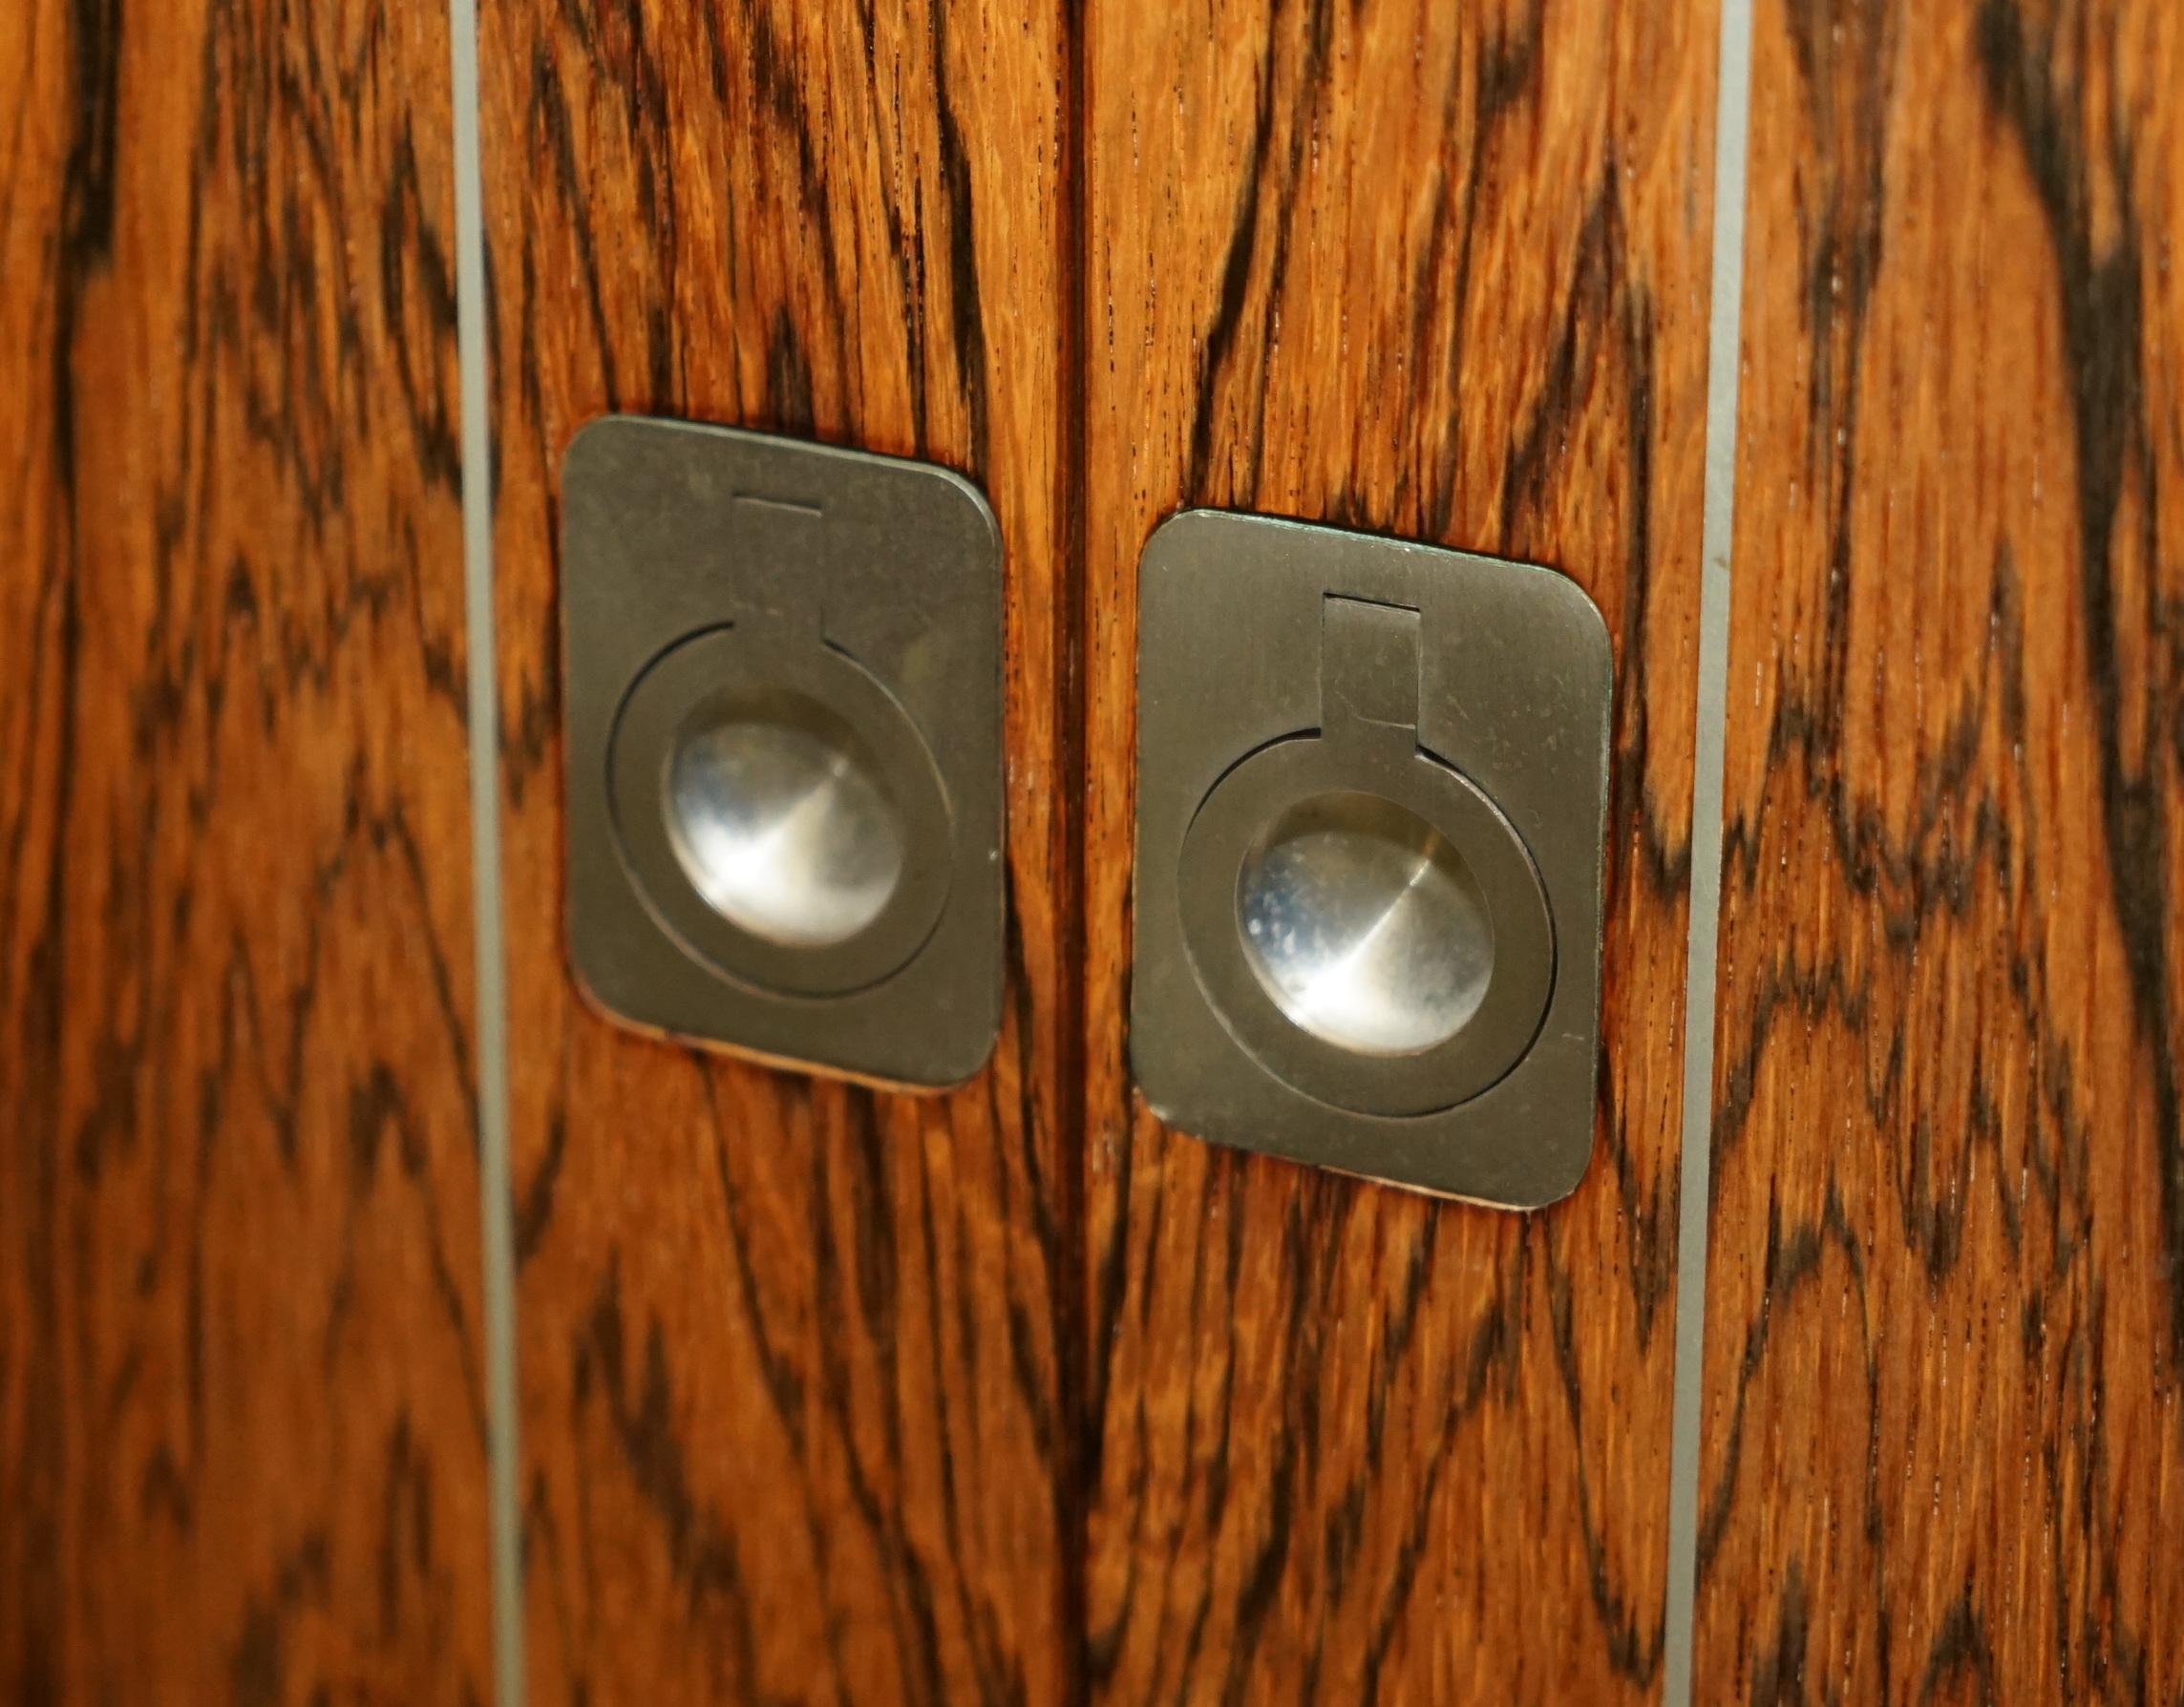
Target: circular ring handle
751,670
1372,760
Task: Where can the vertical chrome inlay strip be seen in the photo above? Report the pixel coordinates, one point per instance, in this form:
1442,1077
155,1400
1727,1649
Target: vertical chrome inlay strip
497,1247
1724,353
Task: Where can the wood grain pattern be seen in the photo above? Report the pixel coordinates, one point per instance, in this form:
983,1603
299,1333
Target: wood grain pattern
796,1409
240,1445
1438,271
1943,1446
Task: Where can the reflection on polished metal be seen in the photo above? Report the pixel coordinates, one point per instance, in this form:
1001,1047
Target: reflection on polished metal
1292,784
760,675
782,699
1371,814
1365,925
782,830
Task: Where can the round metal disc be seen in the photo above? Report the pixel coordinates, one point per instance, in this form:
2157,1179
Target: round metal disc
782,828
779,812
1365,925
1404,954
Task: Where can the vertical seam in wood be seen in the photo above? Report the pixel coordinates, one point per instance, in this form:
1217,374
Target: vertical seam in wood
495,1204
1072,717
1732,95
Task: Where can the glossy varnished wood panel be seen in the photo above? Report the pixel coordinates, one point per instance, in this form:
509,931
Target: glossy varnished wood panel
1943,1442
242,1447
795,1406
1440,271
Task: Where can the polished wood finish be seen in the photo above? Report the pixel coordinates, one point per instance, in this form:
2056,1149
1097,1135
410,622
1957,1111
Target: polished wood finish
797,1422
242,1447
1438,271
1012,1394
1944,1441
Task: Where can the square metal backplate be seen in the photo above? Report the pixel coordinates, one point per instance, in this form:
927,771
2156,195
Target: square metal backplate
672,530
1511,691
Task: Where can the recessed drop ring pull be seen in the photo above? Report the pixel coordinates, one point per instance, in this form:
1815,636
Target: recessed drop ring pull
783,711
1371,813
779,811
1363,917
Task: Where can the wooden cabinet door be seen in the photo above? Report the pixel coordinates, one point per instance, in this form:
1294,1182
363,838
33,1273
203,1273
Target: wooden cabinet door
1014,1395
1438,272
242,1416
795,1356
1943,1442
379,1323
